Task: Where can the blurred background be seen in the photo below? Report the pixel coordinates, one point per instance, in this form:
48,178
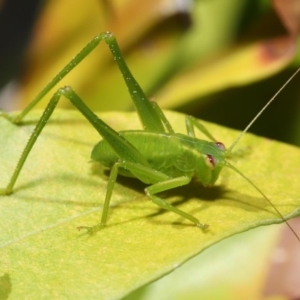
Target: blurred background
219,60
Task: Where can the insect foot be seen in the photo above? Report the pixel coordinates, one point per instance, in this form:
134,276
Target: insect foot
6,191
202,226
5,115
92,229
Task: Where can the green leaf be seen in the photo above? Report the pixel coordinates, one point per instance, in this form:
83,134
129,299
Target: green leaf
44,255
235,265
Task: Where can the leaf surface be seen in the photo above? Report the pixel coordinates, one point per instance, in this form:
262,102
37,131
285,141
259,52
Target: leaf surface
44,255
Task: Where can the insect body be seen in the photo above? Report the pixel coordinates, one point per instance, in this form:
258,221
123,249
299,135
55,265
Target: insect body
156,155
173,154
177,157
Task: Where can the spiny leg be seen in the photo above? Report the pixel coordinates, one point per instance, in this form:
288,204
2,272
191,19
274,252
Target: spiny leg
126,150
148,115
168,185
35,134
152,117
109,189
164,183
142,172
122,147
67,69
162,117
191,123
136,163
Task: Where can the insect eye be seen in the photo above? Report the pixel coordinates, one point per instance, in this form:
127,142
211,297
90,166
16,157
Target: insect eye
210,161
220,145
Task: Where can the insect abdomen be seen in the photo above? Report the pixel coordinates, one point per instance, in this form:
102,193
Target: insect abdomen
158,148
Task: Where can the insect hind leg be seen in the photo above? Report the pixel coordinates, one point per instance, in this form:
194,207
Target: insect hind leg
35,134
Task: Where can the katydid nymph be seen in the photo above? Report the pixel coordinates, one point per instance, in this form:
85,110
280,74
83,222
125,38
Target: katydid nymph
155,155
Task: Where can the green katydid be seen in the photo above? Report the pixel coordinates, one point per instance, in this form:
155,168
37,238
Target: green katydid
155,155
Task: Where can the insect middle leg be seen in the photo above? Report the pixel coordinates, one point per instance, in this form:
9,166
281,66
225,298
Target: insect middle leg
142,172
164,183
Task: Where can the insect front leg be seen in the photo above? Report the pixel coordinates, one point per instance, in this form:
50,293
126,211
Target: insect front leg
191,123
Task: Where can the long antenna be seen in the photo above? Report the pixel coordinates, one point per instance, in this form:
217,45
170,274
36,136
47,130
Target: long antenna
266,198
261,111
